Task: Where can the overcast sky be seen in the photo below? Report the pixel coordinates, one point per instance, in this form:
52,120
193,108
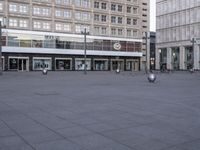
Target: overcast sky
152,15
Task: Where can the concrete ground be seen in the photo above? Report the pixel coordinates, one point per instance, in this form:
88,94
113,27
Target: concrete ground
99,111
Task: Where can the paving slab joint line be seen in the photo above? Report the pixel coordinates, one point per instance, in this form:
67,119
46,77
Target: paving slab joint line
18,135
180,144
37,123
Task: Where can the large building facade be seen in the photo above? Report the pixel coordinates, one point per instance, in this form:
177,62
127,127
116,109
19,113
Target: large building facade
178,34
47,33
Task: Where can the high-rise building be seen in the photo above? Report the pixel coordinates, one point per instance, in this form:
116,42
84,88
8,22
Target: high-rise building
178,34
48,34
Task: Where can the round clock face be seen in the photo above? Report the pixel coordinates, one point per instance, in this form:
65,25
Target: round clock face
117,46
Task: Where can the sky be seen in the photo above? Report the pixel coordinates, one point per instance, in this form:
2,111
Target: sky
152,15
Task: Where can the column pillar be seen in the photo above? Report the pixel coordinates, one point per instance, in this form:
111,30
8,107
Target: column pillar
158,58
169,58
196,56
182,58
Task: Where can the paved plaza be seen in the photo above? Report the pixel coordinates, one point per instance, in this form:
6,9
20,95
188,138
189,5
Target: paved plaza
99,111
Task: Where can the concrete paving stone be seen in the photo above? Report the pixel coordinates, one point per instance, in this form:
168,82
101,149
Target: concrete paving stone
26,126
174,138
21,147
148,131
162,114
11,141
57,145
55,123
100,127
124,135
85,121
113,147
41,137
74,131
5,131
193,145
151,145
93,141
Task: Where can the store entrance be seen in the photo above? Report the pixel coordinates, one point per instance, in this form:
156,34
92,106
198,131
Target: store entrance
135,65
18,64
117,64
132,65
23,65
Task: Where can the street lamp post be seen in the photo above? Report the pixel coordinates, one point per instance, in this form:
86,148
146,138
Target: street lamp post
85,33
193,42
146,37
1,26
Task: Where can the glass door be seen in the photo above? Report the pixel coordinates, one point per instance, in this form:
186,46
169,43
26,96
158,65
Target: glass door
23,65
117,64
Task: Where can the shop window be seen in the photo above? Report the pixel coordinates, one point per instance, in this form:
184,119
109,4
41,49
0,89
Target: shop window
63,64
41,63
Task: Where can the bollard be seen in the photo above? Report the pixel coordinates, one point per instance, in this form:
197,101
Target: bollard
151,77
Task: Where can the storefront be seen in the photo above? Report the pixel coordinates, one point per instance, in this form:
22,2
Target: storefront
63,64
188,57
3,62
40,63
18,63
117,64
175,58
132,65
80,64
101,64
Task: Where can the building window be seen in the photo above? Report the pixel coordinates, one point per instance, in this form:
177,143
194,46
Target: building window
67,27
13,22
128,9
128,21
36,10
82,3
23,9
113,31
13,8
113,19
67,14
120,32
103,30
58,27
120,8
58,13
96,4
113,7
45,11
96,17
79,28
96,30
135,10
80,64
84,16
46,25
120,20
135,33
129,33
103,18
37,25
1,6
63,64
23,23
134,21
103,6
41,63
65,2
